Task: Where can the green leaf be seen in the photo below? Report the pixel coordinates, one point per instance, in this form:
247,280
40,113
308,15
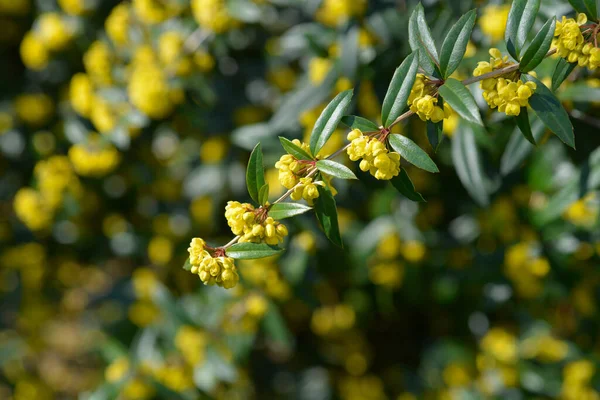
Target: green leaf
285,210
579,6
187,265
363,124
255,173
419,38
539,46
521,18
326,212
548,108
349,53
250,251
263,194
467,161
435,134
412,153
404,185
461,100
592,8
328,120
523,124
455,44
399,90
518,148
561,72
294,149
335,169
276,328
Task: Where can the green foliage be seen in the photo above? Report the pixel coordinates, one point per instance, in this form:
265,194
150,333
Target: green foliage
538,48
455,43
412,153
399,90
461,100
335,169
255,174
250,251
326,212
520,21
404,185
329,120
287,210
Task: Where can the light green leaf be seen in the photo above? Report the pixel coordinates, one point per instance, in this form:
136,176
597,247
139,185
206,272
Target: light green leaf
523,124
461,100
326,212
404,185
263,194
187,265
561,72
455,43
518,148
548,108
419,38
329,120
294,149
539,46
255,173
399,90
412,153
520,21
250,251
335,169
285,210
468,164
363,124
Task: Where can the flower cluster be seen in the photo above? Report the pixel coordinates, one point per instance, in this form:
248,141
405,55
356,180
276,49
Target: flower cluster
571,44
219,271
253,225
507,93
376,158
423,101
52,34
95,158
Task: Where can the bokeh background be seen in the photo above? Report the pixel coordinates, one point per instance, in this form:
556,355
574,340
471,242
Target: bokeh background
125,127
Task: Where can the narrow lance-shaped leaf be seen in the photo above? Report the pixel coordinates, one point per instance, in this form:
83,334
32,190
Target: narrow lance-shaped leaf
294,149
461,100
404,185
561,72
435,133
401,84
249,251
419,38
363,124
412,153
578,5
263,194
455,44
592,8
335,169
285,210
326,212
255,173
523,124
548,108
329,120
518,148
468,164
536,52
521,18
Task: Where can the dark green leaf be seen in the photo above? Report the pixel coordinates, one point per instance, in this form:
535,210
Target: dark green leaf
520,20
285,210
399,90
294,149
187,266
363,124
518,148
455,43
412,153
578,5
461,100
467,161
326,212
419,38
250,251
335,169
523,124
548,108
435,133
263,194
329,120
404,185
255,173
592,9
539,46
561,72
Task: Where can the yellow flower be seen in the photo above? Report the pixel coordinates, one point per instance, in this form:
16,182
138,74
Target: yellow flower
213,15
94,159
34,109
253,225
98,63
423,102
117,24
117,370
149,91
81,93
501,345
31,208
493,21
376,158
214,150
337,12
34,53
102,116
318,68
191,343
53,31
73,7
160,250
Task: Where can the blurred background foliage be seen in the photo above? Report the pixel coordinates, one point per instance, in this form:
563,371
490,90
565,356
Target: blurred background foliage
125,126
